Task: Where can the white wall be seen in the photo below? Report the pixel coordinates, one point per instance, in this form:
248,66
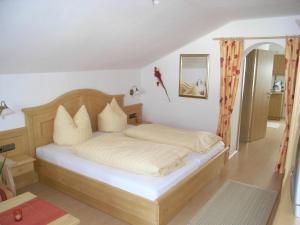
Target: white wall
27,90
203,113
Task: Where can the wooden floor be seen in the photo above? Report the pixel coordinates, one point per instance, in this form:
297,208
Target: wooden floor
254,164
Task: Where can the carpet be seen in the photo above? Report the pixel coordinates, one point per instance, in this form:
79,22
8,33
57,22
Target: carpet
237,204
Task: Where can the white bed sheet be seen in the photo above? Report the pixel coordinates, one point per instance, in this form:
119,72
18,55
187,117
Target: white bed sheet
145,186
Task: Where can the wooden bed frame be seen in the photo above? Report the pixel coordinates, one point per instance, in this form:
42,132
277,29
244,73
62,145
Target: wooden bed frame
128,207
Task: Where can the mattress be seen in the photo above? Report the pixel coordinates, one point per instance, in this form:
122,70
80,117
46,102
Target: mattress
147,187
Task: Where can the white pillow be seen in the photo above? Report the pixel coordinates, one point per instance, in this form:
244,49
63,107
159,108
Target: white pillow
112,118
117,109
71,131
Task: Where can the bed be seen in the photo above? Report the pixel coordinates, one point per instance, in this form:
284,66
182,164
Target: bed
151,201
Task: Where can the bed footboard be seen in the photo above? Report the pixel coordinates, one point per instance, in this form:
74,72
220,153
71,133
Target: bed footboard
176,198
116,202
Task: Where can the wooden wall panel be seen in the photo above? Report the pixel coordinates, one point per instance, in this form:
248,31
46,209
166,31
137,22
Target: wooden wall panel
18,137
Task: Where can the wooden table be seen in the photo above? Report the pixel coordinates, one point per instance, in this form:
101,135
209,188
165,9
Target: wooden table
67,219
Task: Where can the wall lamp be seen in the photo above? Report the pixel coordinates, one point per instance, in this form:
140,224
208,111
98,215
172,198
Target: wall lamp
5,110
135,91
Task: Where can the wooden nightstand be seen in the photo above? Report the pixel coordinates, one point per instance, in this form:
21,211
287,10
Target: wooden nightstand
23,170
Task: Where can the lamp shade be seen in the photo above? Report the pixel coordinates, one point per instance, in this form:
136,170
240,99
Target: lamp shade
5,110
135,91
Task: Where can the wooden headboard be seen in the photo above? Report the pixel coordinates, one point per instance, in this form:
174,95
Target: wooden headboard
39,120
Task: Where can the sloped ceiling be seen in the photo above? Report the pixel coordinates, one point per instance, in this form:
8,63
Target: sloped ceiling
76,35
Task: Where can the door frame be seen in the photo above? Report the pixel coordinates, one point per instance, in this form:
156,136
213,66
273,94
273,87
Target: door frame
246,52
294,131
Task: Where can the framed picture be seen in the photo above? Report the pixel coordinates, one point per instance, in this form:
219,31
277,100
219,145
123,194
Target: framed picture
193,75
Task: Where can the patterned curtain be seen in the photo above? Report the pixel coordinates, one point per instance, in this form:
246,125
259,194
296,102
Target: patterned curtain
291,68
231,56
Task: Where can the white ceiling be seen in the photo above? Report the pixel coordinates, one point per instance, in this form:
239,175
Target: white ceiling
74,35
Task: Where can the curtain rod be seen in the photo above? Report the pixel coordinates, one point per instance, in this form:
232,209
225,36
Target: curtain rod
252,38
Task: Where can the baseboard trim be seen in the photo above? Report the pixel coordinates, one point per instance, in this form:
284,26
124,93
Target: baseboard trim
232,154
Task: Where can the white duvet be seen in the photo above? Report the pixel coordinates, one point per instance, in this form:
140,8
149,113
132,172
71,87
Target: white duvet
134,155
198,141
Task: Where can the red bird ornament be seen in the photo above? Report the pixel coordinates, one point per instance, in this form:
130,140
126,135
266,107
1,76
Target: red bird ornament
159,81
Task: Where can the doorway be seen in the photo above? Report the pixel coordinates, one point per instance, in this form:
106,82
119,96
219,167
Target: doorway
262,106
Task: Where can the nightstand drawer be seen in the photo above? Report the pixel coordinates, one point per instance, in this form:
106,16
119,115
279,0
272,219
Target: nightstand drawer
23,170
16,171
